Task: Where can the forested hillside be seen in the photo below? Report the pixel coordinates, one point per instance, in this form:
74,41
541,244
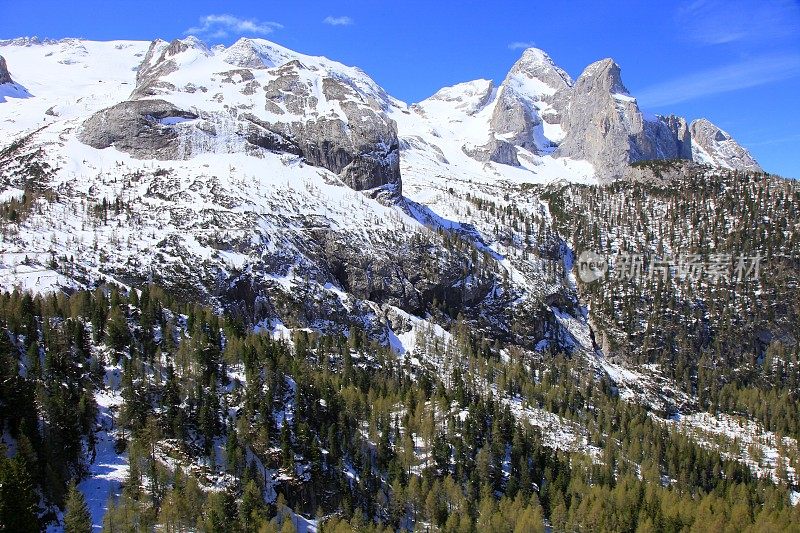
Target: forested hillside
714,300
225,430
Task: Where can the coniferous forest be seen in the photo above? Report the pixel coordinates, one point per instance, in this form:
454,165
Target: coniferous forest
226,429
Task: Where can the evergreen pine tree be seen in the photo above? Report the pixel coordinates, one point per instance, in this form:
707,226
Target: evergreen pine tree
77,518
18,507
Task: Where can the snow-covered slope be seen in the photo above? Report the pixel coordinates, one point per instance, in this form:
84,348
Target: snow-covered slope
714,147
66,79
231,174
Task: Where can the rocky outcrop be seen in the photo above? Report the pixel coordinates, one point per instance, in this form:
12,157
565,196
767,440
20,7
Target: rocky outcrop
496,150
605,126
514,120
717,148
679,132
141,128
365,155
5,76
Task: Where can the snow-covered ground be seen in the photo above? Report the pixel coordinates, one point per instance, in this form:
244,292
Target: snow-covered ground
744,440
108,469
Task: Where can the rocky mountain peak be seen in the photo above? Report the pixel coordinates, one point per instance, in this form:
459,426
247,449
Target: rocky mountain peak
5,76
716,147
468,97
178,46
703,125
605,75
536,64
256,54
606,127
680,134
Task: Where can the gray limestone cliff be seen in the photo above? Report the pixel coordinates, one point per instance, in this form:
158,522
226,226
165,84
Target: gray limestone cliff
605,126
359,144
533,92
717,148
5,76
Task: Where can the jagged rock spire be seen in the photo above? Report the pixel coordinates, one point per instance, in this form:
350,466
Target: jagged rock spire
5,76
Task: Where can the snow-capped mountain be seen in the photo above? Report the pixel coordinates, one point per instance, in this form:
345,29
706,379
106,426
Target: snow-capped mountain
292,195
236,176
268,97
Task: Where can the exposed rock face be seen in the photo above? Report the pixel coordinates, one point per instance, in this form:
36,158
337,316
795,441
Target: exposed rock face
534,91
341,127
140,128
362,146
602,120
399,277
543,82
715,147
365,155
681,135
605,126
514,120
496,150
5,76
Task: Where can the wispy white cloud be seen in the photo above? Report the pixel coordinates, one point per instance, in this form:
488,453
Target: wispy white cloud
749,73
716,22
521,45
220,26
337,21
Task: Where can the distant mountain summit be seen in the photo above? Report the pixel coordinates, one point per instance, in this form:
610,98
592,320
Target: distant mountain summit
255,95
540,109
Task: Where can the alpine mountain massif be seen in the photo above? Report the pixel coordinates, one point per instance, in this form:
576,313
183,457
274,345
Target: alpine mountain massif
283,298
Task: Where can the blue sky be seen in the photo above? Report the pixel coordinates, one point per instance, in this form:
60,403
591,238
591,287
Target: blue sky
734,62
